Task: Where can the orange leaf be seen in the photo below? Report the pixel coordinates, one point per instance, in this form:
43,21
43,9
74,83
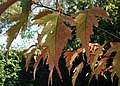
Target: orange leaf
101,65
57,36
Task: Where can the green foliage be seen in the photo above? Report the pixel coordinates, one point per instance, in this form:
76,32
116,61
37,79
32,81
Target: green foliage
9,70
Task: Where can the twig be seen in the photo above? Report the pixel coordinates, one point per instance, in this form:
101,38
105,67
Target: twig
108,32
41,5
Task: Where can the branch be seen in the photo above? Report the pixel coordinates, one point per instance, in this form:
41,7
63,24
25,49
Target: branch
108,32
41,5
56,4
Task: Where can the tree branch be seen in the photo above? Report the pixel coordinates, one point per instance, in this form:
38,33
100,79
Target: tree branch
108,32
41,5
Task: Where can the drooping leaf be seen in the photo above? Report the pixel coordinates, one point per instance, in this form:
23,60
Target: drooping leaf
42,55
115,47
77,70
12,33
101,65
26,7
95,57
29,57
22,23
57,35
70,57
85,21
116,61
6,5
57,39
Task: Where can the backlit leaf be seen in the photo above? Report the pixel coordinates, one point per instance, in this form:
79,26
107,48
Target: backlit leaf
57,36
22,21
56,40
85,20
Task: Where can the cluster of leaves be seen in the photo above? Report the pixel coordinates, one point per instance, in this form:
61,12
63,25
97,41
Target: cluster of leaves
57,33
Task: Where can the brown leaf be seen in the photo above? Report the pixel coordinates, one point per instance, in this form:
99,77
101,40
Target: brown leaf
57,36
95,57
101,65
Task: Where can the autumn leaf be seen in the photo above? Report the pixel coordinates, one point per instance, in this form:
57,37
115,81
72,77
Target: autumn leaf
57,36
101,65
12,33
57,39
85,21
29,57
22,20
70,57
42,55
77,70
115,47
95,56
6,5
